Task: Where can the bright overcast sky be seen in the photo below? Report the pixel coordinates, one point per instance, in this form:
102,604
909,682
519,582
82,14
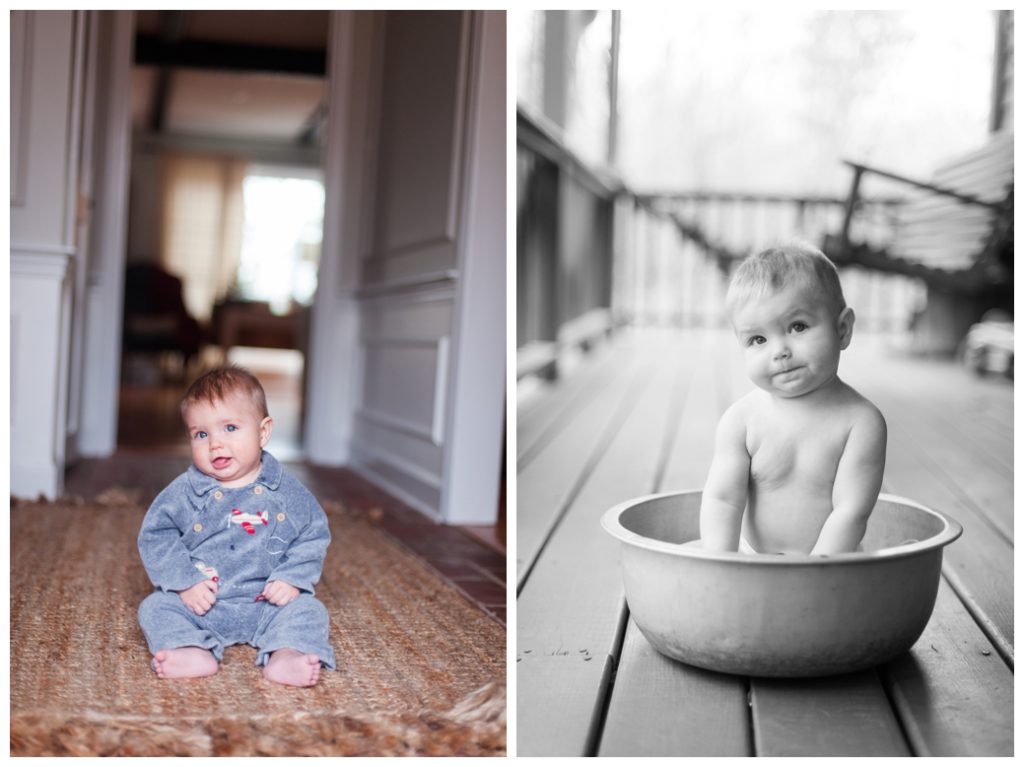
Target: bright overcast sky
764,99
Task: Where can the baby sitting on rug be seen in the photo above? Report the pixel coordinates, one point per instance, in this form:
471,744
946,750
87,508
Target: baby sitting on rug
798,461
234,546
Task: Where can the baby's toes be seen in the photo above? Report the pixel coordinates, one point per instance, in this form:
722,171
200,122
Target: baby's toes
314,667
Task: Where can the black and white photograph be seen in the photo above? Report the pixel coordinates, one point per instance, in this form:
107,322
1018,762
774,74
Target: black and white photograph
764,364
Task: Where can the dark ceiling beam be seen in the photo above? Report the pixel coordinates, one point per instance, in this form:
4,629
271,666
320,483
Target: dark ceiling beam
172,25
153,50
313,124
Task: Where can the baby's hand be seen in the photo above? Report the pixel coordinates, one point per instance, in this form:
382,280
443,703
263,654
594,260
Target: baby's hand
201,597
279,593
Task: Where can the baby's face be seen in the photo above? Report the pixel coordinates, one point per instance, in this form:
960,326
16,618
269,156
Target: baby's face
791,340
227,439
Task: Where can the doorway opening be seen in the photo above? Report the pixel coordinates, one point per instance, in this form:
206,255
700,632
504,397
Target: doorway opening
226,208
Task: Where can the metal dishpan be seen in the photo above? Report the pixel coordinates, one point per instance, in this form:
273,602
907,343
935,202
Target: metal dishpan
779,616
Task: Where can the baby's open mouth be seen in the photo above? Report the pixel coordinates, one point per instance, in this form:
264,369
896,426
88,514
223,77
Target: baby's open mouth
221,462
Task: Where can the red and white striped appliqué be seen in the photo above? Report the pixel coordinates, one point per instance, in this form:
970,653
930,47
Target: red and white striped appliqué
247,520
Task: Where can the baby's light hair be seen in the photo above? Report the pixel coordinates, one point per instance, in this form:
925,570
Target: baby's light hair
777,267
220,383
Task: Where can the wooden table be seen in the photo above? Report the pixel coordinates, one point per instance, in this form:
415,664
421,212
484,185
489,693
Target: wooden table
638,417
251,323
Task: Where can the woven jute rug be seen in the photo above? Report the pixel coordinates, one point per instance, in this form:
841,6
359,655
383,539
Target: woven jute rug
421,671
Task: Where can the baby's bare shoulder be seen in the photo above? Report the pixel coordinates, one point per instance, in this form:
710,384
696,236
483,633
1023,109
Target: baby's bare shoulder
867,426
863,411
740,412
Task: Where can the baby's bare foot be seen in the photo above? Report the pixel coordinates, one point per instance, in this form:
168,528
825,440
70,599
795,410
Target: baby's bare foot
184,662
292,667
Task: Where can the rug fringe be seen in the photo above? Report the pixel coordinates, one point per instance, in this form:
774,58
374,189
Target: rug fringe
485,705
295,734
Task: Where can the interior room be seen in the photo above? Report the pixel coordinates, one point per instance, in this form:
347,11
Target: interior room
318,196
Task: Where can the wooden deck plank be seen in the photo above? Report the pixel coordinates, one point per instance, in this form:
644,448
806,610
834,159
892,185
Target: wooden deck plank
573,599
953,692
846,715
546,486
537,695
693,446
978,408
557,403
981,561
660,707
979,483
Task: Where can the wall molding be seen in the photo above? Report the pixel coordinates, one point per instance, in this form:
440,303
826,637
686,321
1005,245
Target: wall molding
406,481
399,342
21,78
434,432
460,134
407,284
441,377
392,249
44,152
39,261
40,323
35,479
427,257
407,468
419,246
399,464
373,474
400,425
74,129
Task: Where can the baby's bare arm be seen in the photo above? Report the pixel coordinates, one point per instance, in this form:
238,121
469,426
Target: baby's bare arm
725,492
855,491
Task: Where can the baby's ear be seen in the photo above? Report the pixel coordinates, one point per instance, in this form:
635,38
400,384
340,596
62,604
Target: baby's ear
266,427
844,326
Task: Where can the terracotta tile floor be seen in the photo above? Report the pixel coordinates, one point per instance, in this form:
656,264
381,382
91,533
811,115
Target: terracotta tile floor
464,561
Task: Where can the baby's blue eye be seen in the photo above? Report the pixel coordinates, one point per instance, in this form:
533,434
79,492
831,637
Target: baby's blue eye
199,435
232,427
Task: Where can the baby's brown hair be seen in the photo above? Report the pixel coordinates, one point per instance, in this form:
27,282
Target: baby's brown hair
777,267
220,383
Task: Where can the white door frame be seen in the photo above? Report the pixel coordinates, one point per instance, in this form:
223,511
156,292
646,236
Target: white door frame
476,392
333,354
104,291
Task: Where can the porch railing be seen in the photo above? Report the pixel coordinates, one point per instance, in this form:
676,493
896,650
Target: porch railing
593,254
